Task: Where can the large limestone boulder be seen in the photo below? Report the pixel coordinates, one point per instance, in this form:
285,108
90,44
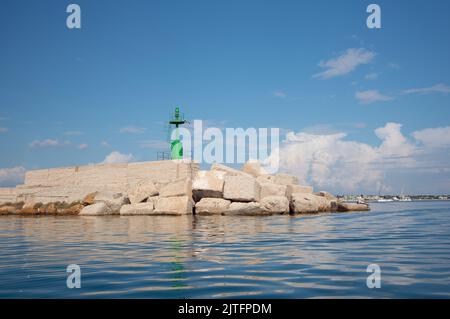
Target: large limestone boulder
7,209
211,206
159,185
325,205
292,189
51,208
179,205
281,179
275,204
285,179
153,199
251,208
97,209
253,168
347,207
89,198
181,187
10,208
271,189
265,179
142,190
228,170
241,189
327,202
30,203
208,184
326,195
114,201
304,203
137,209
70,209
334,205
30,207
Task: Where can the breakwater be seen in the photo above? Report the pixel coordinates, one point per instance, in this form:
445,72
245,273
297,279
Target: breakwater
166,188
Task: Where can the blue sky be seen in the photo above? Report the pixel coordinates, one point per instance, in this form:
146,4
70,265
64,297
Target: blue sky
71,97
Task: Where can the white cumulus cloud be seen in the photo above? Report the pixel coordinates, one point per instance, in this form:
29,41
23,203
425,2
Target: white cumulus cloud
371,96
437,88
332,162
132,129
345,63
48,143
395,144
371,76
433,137
280,94
116,157
73,133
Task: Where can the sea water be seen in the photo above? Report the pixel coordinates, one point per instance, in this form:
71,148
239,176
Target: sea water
309,256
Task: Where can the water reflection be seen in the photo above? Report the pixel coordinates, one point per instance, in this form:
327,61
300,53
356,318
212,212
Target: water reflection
222,256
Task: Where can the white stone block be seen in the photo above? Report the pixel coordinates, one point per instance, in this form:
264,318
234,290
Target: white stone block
228,170
304,203
326,195
266,179
114,201
275,204
292,189
271,189
208,184
98,209
253,168
180,205
137,209
153,199
251,208
142,190
285,179
347,207
211,206
181,187
241,189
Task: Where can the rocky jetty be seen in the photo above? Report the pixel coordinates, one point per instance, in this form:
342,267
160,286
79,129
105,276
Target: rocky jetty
220,191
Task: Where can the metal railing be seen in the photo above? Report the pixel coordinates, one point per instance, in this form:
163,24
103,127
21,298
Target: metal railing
162,156
165,156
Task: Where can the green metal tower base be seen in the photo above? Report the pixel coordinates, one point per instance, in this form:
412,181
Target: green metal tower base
176,147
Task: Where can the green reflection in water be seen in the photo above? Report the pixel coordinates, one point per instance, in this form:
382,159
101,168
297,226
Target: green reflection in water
178,272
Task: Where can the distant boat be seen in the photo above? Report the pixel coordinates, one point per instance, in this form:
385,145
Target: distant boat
360,200
384,200
404,198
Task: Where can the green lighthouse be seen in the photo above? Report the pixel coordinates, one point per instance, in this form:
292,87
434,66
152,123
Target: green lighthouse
176,147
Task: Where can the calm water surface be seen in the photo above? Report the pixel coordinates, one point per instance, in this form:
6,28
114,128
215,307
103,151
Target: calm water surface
316,256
